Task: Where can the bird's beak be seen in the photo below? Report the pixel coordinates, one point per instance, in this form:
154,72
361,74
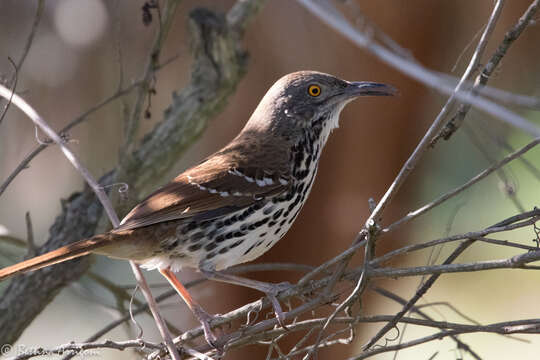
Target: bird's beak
367,88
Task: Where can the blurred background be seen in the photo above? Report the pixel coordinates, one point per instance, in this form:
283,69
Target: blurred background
74,63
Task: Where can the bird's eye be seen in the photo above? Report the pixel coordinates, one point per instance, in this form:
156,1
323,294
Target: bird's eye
314,90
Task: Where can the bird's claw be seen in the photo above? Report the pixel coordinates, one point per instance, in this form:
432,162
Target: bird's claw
272,293
205,318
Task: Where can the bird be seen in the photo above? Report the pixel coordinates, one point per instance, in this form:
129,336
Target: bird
237,203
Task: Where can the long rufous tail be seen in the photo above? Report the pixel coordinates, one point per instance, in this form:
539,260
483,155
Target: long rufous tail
68,252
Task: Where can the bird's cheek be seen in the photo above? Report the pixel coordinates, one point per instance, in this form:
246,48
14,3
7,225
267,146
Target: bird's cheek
303,113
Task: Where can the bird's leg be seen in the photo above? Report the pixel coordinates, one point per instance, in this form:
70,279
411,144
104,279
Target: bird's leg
201,315
271,290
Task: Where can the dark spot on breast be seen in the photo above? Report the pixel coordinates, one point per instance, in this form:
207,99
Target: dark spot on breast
291,193
298,157
205,224
236,244
249,250
246,213
259,205
223,250
308,161
277,214
172,246
277,230
295,215
189,227
262,221
210,246
317,131
210,255
268,210
311,180
259,223
194,247
262,235
294,203
197,236
300,175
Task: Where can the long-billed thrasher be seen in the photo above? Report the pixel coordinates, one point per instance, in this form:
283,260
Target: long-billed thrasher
236,204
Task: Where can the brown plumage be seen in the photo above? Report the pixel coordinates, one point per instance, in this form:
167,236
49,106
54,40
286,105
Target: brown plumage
236,204
214,188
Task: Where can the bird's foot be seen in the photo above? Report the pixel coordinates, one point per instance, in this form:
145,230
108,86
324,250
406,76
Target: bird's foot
205,319
272,291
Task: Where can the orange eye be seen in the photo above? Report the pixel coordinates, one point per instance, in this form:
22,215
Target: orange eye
314,90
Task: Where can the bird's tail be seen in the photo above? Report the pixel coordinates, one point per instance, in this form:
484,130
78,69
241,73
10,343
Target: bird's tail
68,252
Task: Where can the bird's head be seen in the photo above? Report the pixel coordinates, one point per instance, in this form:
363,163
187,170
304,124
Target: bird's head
305,100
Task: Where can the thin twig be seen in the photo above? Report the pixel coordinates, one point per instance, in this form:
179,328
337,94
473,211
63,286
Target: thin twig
329,15
84,116
416,309
132,125
481,80
532,168
419,293
530,326
30,236
504,96
531,215
19,65
85,349
122,295
358,289
435,127
508,188
32,34
516,261
475,58
38,120
98,190
168,294
13,89
422,210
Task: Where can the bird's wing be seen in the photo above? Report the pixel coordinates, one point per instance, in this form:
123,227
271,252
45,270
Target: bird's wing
213,188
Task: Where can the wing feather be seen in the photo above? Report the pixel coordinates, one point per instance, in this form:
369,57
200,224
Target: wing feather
217,186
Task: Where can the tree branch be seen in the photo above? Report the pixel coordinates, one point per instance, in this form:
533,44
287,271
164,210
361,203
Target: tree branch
481,80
